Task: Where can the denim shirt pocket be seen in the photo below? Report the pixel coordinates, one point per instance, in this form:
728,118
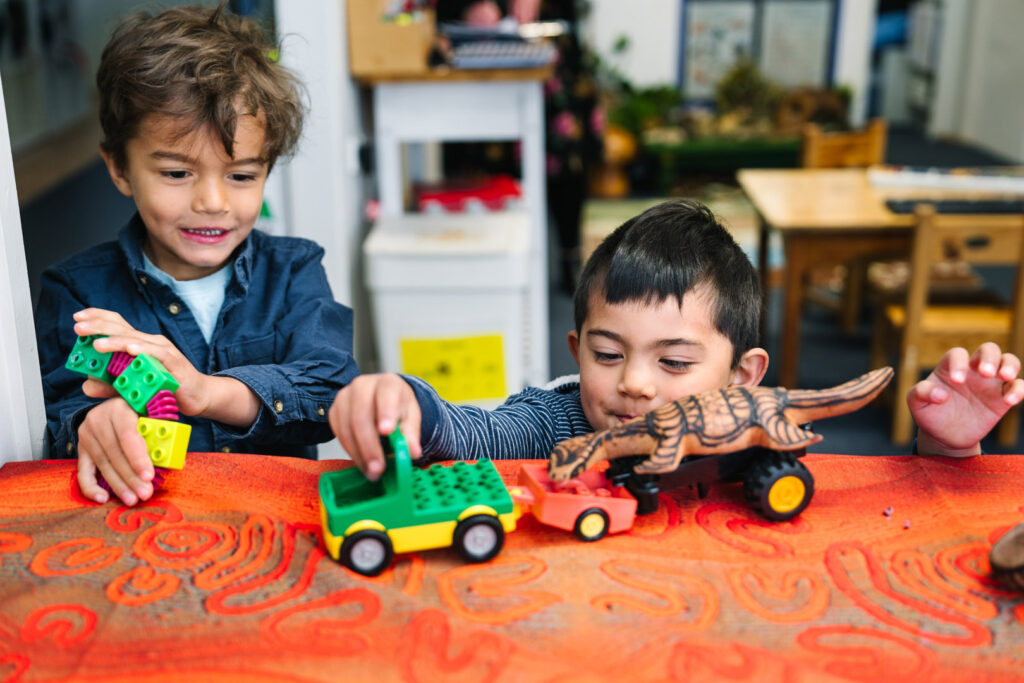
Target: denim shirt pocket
258,351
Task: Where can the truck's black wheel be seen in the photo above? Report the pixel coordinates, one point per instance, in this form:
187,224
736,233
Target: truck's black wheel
591,525
479,538
778,485
367,552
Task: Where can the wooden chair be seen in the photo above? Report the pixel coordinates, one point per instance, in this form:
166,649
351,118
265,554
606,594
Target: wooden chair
924,331
860,148
844,149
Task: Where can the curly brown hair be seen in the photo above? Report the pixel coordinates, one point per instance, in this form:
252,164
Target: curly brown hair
202,66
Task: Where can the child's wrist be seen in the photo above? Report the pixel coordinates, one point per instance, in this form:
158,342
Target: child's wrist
929,445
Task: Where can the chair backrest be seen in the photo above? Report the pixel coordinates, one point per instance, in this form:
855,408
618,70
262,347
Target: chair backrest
974,239
843,149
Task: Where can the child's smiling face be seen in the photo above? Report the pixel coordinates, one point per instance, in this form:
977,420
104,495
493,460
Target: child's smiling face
635,356
198,204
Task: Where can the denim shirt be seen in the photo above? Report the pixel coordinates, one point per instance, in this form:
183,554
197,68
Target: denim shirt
279,331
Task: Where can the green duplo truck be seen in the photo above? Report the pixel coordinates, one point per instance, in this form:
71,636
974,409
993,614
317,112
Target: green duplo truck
408,509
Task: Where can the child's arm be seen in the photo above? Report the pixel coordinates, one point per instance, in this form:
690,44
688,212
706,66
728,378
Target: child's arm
527,425
221,399
963,398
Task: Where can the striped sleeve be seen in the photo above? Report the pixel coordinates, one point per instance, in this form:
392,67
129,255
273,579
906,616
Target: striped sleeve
526,426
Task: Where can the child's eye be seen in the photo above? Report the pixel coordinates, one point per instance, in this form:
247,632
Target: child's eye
174,175
602,357
677,365
242,177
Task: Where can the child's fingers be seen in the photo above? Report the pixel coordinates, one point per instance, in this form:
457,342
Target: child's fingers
90,447
1013,392
986,359
955,364
97,389
99,321
87,480
1009,367
396,405
354,422
926,392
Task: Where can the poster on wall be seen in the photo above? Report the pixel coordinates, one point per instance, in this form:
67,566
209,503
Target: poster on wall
795,42
717,34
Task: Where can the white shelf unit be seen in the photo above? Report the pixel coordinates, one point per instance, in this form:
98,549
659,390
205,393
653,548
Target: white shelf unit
463,111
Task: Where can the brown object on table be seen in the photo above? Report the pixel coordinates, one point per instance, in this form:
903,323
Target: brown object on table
1007,558
842,149
382,46
715,422
924,331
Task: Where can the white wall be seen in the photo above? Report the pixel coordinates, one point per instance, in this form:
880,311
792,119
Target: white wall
652,27
855,34
993,85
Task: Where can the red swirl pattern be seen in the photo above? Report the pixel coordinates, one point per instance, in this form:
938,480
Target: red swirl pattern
223,575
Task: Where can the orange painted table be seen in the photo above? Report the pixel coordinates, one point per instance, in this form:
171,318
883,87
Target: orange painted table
222,575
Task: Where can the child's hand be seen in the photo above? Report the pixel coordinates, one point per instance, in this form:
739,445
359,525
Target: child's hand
192,396
369,408
963,398
109,442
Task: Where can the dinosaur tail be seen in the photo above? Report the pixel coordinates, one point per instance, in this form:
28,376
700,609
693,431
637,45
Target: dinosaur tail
805,405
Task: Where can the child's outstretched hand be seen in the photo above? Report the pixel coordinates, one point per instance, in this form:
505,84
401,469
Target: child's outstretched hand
109,443
963,398
368,408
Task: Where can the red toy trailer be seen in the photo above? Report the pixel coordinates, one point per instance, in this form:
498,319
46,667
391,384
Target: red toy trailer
588,505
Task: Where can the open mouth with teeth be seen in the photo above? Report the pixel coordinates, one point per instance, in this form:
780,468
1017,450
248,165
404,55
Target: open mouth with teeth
205,235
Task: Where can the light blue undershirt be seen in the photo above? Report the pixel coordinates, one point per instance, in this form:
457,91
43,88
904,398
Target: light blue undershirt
204,296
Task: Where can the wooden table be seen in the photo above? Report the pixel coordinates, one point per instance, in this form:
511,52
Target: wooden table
825,217
222,576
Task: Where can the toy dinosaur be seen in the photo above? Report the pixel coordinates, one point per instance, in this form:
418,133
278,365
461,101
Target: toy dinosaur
716,422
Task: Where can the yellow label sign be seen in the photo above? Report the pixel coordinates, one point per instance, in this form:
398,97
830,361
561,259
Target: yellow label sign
460,368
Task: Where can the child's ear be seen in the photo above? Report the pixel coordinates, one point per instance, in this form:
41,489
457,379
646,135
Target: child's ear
574,346
750,370
116,174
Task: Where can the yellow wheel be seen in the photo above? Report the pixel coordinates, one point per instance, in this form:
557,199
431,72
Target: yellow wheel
786,494
778,485
591,525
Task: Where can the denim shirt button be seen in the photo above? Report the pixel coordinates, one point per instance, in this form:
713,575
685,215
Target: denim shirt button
320,411
174,308
70,448
143,279
226,449
278,406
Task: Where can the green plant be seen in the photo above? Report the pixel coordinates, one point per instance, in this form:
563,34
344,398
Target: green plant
743,87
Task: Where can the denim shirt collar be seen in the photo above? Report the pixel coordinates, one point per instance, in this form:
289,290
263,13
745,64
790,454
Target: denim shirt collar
132,235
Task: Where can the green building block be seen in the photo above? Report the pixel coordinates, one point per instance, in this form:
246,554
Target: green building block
140,381
86,360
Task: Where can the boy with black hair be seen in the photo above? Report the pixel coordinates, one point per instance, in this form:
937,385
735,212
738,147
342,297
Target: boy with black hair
667,306
194,115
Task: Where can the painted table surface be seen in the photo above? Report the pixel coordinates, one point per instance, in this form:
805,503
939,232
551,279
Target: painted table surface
222,575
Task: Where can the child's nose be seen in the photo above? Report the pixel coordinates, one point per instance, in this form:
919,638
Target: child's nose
210,197
636,382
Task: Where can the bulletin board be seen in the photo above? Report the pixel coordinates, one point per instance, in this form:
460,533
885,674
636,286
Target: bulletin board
792,41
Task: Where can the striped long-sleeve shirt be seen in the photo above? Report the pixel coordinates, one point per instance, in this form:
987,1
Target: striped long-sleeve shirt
526,426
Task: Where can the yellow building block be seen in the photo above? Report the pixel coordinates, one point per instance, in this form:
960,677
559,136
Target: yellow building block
166,441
